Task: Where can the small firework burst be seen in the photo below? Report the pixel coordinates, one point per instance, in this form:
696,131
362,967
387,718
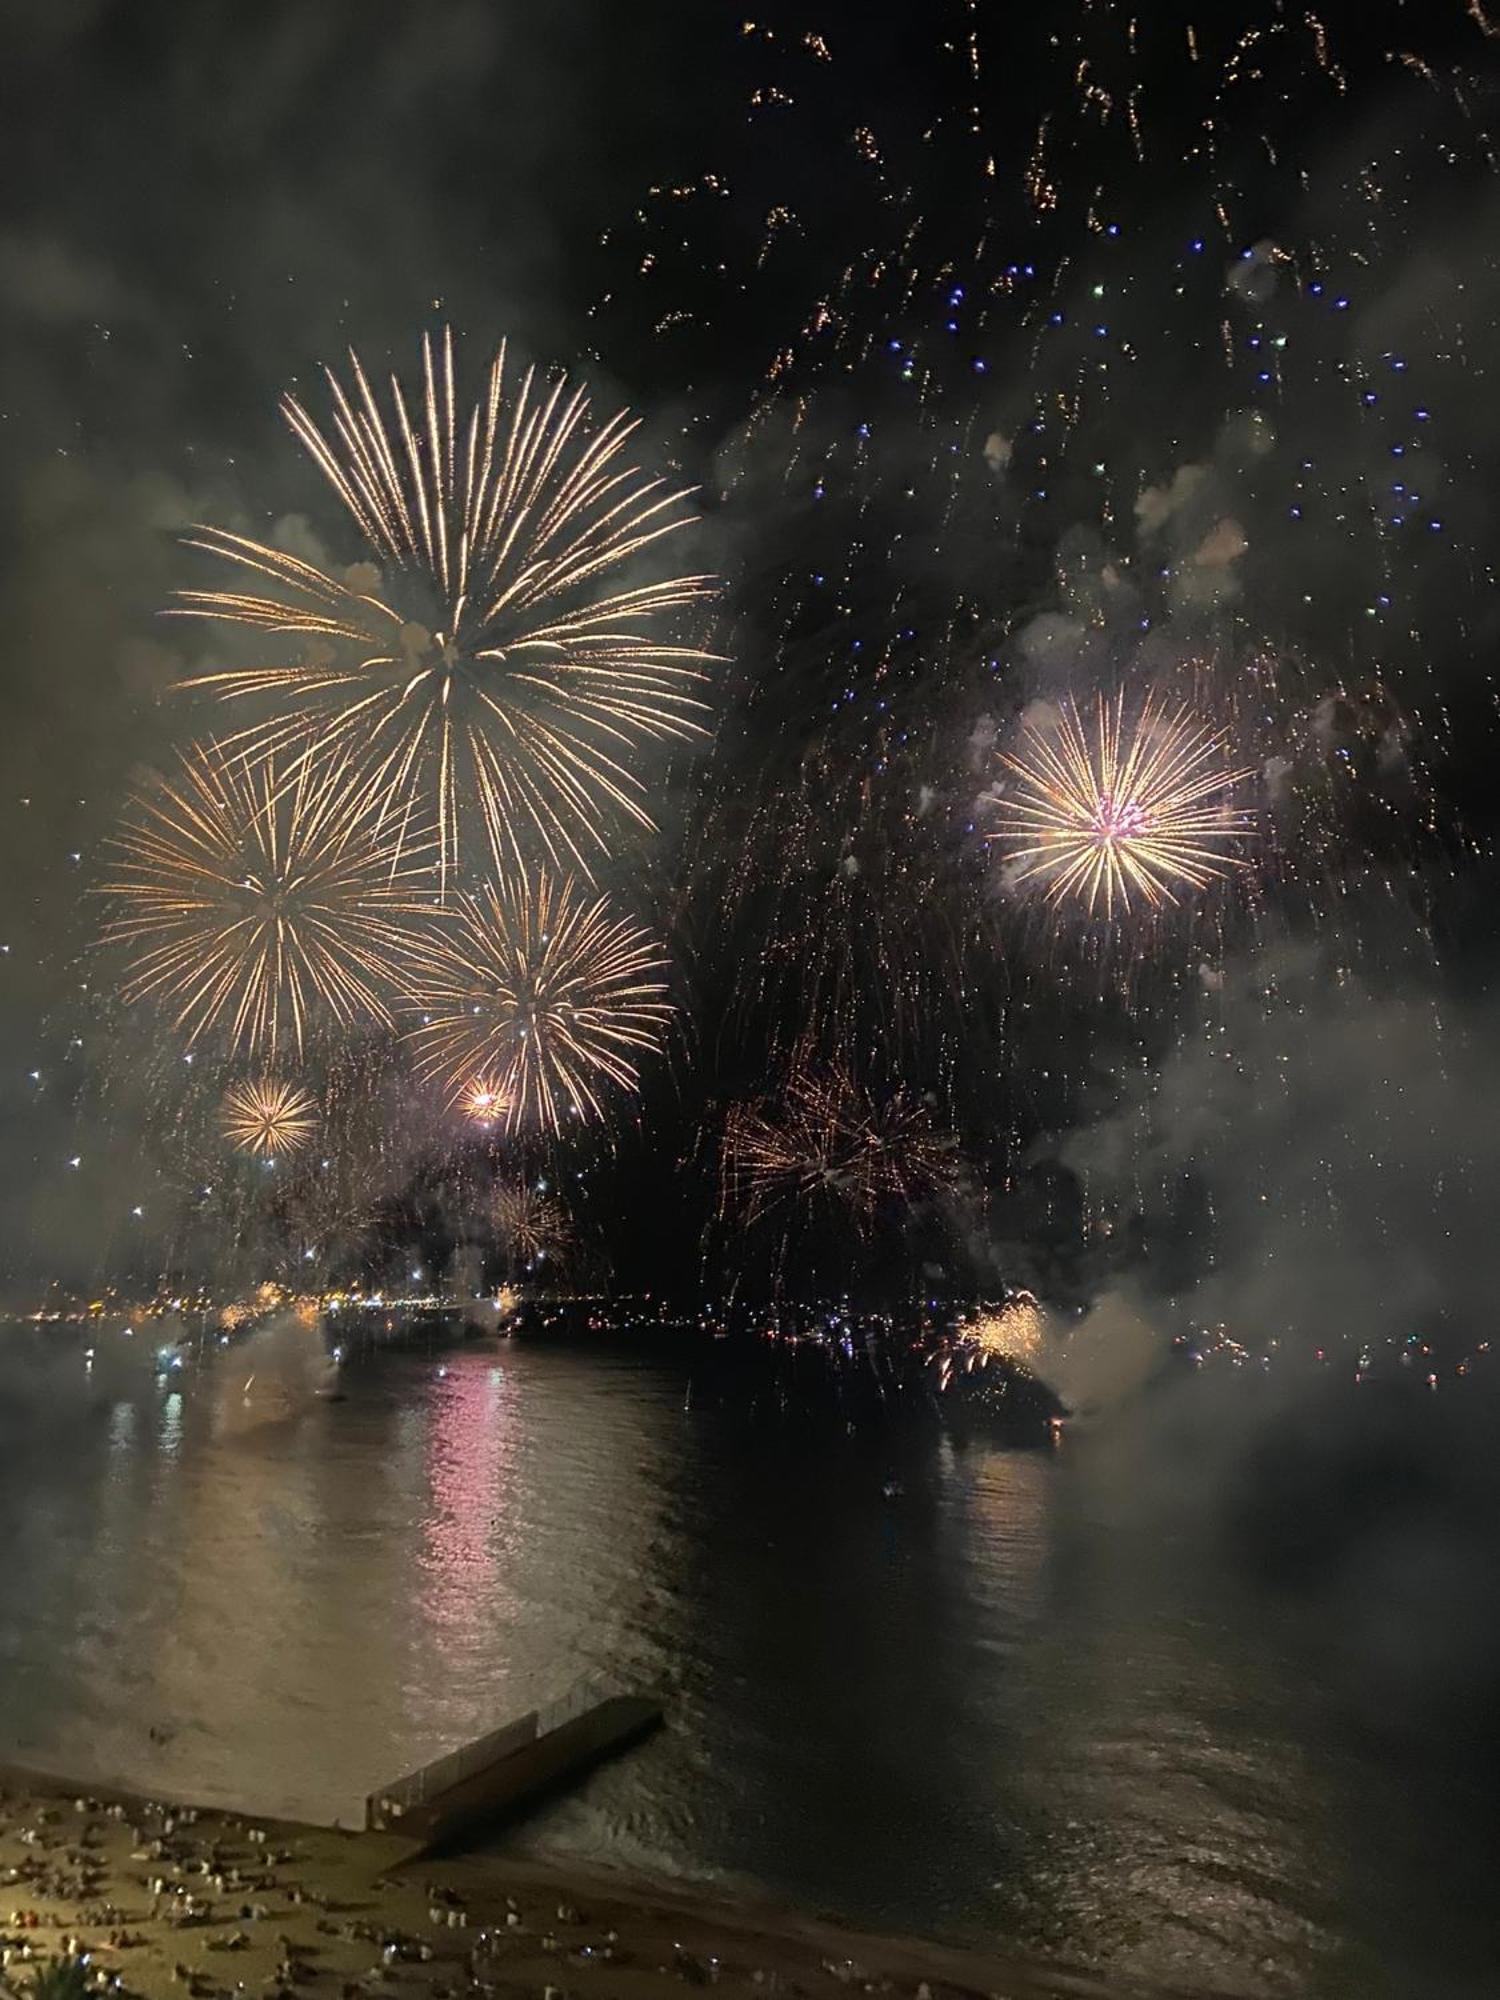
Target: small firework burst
542,1000
253,897
269,1118
483,1101
499,671
531,1222
1108,809
829,1139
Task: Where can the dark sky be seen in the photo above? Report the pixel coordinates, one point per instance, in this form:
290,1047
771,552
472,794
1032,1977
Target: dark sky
754,226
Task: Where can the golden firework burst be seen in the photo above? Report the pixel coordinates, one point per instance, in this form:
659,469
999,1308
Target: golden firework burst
537,994
268,1118
531,1222
1013,1331
253,896
1108,809
503,662
829,1138
482,1100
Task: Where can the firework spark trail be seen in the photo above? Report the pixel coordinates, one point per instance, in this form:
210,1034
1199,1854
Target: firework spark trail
1108,810
830,1139
251,897
268,1118
538,997
846,880
522,694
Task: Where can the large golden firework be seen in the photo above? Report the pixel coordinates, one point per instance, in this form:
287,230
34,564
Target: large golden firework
1108,809
537,997
532,1223
254,896
269,1118
830,1139
501,662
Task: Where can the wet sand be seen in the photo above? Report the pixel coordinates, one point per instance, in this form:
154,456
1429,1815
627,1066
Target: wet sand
184,1904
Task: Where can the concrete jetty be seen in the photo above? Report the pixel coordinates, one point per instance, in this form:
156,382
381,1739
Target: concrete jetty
484,1782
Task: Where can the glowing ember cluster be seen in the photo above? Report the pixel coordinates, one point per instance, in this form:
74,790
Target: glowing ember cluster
1012,1331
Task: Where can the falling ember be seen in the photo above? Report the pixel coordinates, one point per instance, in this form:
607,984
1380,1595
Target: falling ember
252,897
498,670
268,1118
1106,810
546,997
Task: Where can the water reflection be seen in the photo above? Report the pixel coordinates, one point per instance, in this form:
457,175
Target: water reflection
470,1531
169,1426
121,1429
919,1682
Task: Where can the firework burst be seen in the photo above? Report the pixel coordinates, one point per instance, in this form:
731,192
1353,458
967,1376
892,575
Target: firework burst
482,1100
268,1118
502,663
1013,1331
531,1223
253,897
1106,810
538,997
830,1140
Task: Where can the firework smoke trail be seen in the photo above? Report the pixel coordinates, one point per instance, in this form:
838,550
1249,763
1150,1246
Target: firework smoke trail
538,998
484,672
828,1139
254,897
1107,811
269,1118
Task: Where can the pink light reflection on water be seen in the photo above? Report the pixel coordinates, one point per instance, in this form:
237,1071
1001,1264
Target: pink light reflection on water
469,1532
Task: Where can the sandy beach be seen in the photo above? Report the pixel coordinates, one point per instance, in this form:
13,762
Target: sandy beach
167,1901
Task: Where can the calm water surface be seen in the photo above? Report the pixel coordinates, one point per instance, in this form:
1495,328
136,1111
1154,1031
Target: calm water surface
1021,1700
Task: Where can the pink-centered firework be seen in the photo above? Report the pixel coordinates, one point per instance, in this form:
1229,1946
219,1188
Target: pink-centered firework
1107,809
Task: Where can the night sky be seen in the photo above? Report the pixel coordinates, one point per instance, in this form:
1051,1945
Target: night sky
1015,361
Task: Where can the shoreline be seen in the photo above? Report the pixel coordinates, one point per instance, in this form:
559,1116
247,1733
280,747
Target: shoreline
174,1900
